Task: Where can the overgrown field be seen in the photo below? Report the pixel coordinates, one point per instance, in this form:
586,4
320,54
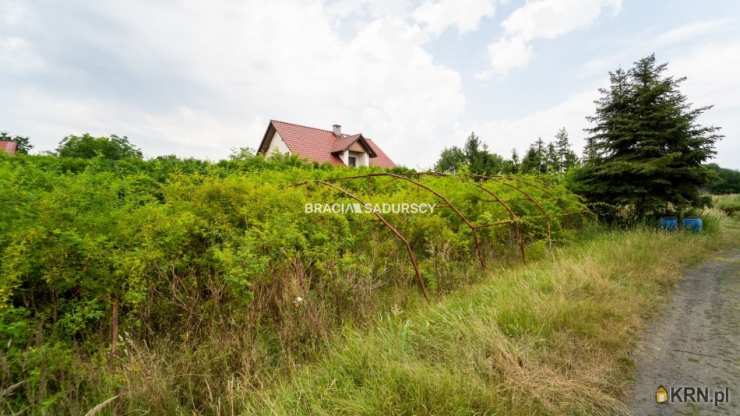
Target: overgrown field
551,338
180,286
729,204
186,287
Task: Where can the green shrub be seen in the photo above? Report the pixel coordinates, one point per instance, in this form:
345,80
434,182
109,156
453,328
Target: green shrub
194,254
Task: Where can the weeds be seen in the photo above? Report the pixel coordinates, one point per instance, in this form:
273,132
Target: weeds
729,204
549,338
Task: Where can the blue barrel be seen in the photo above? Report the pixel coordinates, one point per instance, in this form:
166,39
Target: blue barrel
693,224
668,223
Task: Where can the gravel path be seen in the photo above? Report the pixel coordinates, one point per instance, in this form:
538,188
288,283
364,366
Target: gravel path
695,343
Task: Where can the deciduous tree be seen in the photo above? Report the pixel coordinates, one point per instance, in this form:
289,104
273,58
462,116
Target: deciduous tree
88,147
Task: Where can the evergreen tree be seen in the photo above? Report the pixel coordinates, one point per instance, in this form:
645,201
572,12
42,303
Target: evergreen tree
515,161
534,160
530,161
566,156
647,142
552,160
590,154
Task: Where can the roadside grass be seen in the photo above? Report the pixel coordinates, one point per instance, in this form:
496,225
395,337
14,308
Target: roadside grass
552,337
730,203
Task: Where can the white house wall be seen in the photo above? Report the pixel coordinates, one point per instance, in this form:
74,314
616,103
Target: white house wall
277,145
362,159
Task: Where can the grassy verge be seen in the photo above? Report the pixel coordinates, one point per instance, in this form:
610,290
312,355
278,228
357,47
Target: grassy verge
729,204
552,337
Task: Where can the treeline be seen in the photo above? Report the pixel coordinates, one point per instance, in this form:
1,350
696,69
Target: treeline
474,157
723,181
645,153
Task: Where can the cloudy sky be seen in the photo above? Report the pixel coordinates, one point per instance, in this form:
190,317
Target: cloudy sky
197,78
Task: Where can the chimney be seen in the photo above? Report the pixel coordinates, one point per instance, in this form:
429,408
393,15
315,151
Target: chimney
337,129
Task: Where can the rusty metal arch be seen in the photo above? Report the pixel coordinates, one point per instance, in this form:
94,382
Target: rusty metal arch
526,195
449,204
515,219
539,207
393,229
503,179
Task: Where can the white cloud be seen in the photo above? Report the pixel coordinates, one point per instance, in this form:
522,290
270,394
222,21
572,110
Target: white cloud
11,12
548,19
224,68
440,15
690,31
506,54
542,19
17,56
712,79
504,134
664,44
710,69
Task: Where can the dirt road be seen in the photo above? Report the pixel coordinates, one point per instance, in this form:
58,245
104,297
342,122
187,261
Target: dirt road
695,343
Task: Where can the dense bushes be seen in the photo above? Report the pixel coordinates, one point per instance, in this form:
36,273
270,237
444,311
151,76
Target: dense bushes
187,258
724,181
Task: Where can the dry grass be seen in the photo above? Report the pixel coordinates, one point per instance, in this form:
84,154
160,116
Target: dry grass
551,338
729,204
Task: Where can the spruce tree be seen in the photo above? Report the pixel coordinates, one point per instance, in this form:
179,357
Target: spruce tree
515,161
646,147
566,157
552,160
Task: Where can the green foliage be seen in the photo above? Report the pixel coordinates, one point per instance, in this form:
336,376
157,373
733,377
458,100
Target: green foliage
725,181
88,147
566,157
646,148
554,157
729,203
191,251
535,160
474,155
474,158
23,144
552,338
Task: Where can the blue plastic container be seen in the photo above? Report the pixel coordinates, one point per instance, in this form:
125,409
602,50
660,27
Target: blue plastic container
668,223
694,224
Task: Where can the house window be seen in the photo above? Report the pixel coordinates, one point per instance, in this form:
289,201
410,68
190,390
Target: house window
352,161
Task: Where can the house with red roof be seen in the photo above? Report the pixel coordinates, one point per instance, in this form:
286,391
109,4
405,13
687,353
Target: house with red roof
8,147
323,146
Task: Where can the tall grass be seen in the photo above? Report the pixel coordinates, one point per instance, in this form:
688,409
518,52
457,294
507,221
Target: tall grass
549,338
729,203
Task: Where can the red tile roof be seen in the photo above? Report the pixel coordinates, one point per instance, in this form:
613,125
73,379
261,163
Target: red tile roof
342,143
8,147
381,160
318,145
